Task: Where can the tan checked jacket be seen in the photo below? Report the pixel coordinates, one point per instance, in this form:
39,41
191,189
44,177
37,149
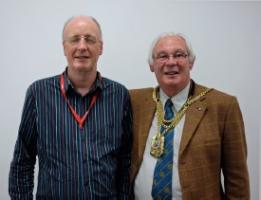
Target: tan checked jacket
213,139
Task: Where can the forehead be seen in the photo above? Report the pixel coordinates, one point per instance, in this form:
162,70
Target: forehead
81,26
170,44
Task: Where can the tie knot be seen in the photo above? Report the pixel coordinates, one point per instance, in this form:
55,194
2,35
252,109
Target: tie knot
168,110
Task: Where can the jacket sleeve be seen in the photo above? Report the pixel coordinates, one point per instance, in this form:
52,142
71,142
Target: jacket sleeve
21,175
123,174
234,155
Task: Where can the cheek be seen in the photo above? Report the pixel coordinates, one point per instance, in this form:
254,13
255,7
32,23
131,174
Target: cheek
186,68
68,50
157,67
159,74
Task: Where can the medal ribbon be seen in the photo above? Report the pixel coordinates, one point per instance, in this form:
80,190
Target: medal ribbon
80,120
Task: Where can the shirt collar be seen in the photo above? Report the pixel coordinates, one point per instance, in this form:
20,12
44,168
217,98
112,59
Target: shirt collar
177,100
97,85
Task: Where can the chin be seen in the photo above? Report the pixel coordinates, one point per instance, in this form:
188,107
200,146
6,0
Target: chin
172,82
82,67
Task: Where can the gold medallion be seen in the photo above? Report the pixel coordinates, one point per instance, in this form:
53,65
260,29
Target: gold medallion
157,143
157,146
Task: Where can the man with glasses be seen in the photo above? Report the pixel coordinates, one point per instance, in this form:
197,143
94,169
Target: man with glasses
78,124
185,135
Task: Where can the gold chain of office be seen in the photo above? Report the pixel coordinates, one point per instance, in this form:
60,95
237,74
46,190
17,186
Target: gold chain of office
157,144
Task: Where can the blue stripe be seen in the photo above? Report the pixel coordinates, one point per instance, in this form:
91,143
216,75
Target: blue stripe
74,163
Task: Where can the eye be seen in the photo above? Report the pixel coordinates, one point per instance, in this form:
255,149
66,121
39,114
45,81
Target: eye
180,55
163,56
90,39
74,39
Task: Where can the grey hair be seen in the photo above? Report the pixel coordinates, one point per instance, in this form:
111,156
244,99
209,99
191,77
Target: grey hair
190,52
92,18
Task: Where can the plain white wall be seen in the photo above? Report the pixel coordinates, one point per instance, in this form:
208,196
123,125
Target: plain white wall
225,37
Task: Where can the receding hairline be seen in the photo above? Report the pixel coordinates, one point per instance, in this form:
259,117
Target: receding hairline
81,16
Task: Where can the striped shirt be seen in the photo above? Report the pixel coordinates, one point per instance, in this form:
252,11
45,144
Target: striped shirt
91,162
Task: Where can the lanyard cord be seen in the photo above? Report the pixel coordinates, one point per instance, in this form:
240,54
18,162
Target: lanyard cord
80,120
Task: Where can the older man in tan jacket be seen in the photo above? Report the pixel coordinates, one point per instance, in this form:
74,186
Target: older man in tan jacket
207,133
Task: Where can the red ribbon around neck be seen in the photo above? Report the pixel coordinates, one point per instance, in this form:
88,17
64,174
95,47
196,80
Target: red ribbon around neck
80,120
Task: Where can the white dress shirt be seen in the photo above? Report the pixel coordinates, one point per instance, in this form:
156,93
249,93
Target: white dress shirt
144,179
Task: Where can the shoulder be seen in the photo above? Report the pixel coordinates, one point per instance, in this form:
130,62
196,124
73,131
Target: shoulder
114,89
43,84
141,96
215,96
45,81
109,83
141,92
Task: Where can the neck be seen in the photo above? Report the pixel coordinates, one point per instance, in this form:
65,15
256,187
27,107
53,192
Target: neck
81,80
172,91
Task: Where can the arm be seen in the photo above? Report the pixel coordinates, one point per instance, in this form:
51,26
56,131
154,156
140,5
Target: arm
234,155
123,181
21,175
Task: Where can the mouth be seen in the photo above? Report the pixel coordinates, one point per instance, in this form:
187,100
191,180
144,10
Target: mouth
81,57
171,73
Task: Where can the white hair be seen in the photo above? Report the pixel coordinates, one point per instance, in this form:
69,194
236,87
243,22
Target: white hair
190,52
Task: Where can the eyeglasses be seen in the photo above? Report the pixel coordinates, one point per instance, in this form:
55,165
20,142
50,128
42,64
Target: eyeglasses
88,39
178,56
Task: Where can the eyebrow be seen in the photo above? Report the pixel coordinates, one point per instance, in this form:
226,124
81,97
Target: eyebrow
85,35
176,51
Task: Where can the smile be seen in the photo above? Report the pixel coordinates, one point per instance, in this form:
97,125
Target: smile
81,57
171,73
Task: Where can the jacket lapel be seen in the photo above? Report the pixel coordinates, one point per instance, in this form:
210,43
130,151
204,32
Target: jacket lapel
193,116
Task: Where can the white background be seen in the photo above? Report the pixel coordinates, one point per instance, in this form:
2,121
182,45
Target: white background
225,37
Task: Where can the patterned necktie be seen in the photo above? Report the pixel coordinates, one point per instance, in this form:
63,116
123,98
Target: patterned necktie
162,180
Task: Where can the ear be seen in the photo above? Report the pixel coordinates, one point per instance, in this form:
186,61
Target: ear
64,53
191,66
151,68
101,48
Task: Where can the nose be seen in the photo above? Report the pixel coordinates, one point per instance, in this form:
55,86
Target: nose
82,45
171,60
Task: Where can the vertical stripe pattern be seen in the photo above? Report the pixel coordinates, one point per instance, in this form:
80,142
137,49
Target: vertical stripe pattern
74,163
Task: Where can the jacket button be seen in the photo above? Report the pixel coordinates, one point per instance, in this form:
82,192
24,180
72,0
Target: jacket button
199,108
